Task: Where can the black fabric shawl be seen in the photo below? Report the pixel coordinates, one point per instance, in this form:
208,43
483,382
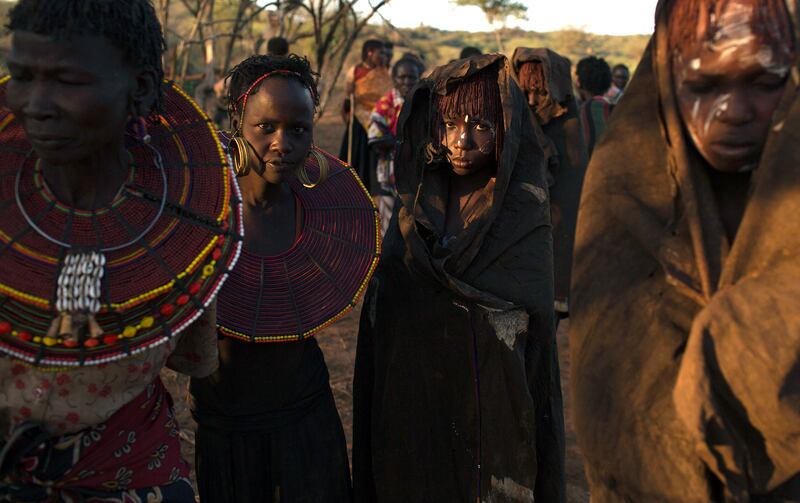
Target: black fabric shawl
685,347
566,165
456,390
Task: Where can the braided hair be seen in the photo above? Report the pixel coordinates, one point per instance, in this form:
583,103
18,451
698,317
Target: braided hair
477,95
532,77
242,76
130,25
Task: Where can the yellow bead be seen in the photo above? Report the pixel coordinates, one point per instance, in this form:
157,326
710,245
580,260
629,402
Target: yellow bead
37,339
129,331
208,270
49,341
147,322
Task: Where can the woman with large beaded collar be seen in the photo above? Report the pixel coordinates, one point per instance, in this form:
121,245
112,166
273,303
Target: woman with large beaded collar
116,232
268,429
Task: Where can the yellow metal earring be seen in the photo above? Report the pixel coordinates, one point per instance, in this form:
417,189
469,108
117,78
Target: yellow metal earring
324,169
238,150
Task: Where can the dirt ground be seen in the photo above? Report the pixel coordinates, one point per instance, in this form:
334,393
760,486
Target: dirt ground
338,342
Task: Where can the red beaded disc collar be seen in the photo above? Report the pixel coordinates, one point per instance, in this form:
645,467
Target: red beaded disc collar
292,295
153,288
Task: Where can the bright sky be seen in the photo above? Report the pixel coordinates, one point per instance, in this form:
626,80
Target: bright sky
619,17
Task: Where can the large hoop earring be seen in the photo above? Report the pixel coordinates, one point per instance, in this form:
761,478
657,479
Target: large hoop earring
238,150
324,169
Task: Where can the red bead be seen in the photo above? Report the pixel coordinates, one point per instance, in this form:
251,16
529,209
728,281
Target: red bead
110,339
194,288
166,309
25,336
182,300
90,343
70,343
217,253
5,327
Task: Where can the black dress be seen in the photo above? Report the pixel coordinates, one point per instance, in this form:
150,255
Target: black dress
268,428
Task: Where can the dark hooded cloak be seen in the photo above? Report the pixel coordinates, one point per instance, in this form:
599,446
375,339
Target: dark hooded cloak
456,391
561,125
685,347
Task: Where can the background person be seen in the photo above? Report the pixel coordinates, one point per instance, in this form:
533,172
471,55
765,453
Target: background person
594,80
383,133
546,78
277,46
388,54
619,80
365,84
469,51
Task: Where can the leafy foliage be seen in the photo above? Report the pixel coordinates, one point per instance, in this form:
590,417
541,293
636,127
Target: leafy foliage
497,10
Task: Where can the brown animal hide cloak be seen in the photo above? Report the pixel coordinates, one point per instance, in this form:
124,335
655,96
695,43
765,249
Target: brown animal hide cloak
686,348
456,391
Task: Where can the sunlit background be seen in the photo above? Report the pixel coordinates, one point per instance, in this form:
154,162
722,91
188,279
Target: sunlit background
621,17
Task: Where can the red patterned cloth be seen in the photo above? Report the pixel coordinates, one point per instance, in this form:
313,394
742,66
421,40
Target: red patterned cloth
134,456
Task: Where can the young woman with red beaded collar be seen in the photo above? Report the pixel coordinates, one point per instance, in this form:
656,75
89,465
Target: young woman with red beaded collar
268,428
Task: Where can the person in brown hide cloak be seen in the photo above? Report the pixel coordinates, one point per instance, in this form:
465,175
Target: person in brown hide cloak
685,336
545,77
456,389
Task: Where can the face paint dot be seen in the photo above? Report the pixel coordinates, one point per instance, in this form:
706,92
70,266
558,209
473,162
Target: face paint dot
695,64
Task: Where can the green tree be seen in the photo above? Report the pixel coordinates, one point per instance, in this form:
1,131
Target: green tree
497,11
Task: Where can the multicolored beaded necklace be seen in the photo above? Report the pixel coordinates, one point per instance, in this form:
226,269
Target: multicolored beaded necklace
89,287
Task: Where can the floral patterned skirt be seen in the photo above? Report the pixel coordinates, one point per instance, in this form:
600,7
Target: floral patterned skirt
132,457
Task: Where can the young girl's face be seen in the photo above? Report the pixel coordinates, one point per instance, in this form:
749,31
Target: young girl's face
471,142
278,123
729,86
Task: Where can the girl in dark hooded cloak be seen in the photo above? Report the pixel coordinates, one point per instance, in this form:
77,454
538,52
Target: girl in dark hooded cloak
545,77
685,336
456,391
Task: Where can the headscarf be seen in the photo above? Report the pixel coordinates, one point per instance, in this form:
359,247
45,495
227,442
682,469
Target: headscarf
685,347
511,234
557,80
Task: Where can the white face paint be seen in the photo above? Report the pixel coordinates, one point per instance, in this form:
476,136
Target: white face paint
732,31
718,108
729,81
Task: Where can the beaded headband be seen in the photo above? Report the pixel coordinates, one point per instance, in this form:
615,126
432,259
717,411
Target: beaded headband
243,98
